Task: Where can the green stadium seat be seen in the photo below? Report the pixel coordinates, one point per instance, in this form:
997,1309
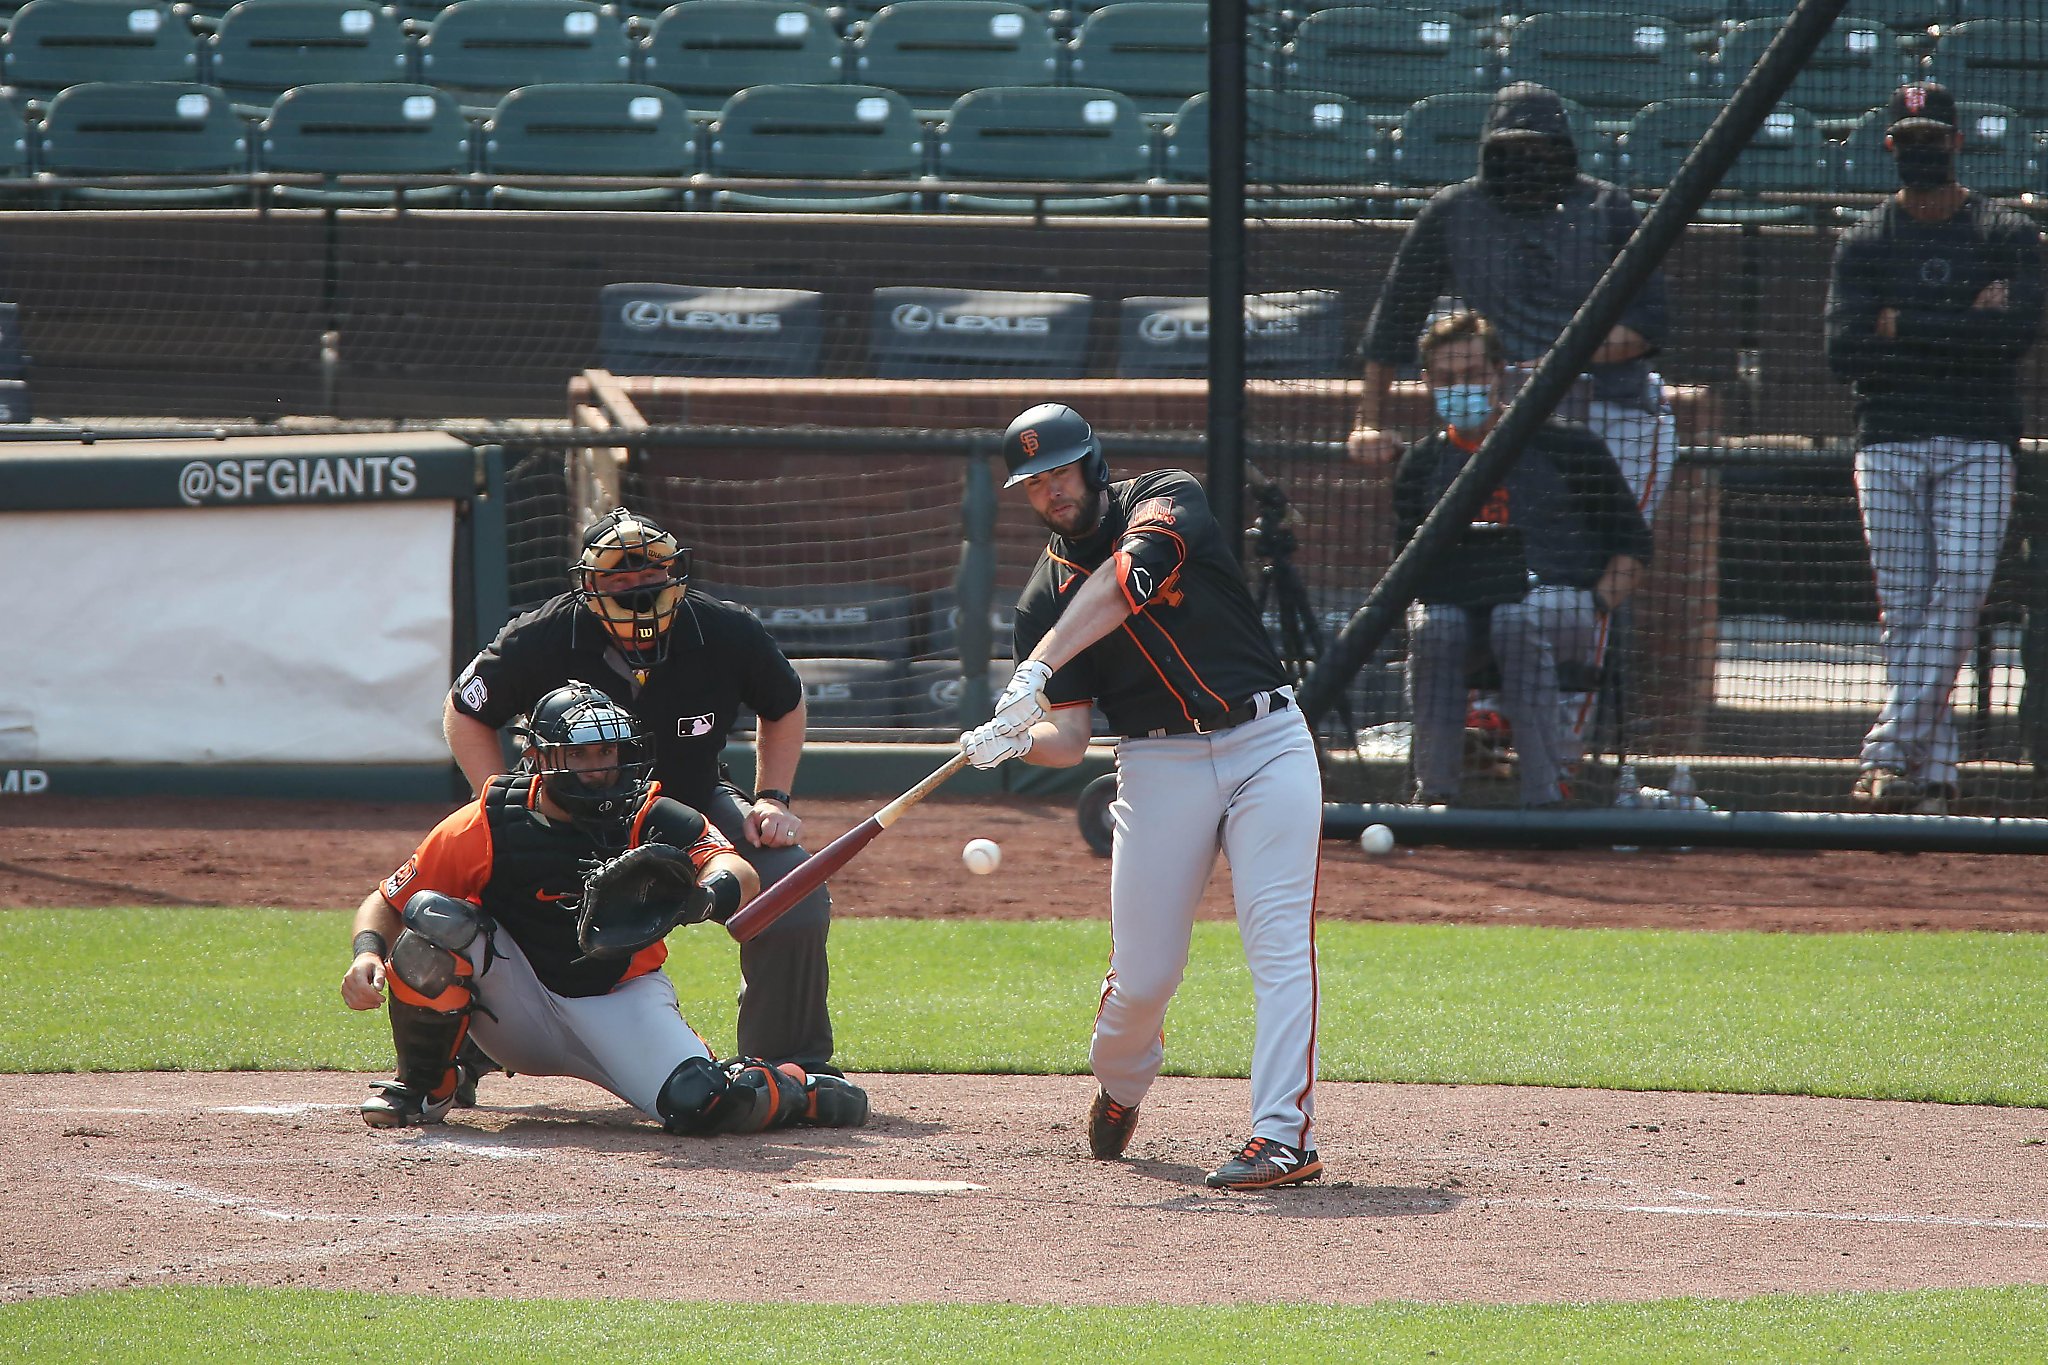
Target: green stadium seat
1293,137
636,130
15,157
938,50
1995,61
1788,154
50,44
1437,141
796,131
713,49
145,128
1043,133
1155,51
1856,67
1385,59
265,47
396,129
492,46
1997,158
1969,11
1604,61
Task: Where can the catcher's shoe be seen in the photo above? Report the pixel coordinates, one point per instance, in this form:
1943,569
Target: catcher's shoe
1110,1126
1265,1164
394,1104
471,1065
833,1102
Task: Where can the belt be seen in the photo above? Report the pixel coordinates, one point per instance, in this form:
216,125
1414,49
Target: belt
1258,704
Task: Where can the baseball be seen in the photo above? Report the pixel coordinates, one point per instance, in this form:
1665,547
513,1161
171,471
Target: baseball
1377,839
982,856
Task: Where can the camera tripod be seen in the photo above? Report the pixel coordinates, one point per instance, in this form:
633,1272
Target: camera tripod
1282,591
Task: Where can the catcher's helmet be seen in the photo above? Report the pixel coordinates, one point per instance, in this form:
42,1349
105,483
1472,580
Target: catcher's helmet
565,734
633,574
1051,435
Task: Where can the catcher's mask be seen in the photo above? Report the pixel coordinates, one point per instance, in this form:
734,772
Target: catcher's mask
592,756
632,575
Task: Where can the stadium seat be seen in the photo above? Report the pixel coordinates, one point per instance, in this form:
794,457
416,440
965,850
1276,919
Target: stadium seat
145,128
709,50
1787,154
1969,11
1293,335
1155,51
935,51
1043,133
395,129
1293,137
1856,67
636,130
265,47
688,329
836,131
1997,156
920,333
1437,142
50,44
1995,61
1604,62
14,166
480,48
1385,59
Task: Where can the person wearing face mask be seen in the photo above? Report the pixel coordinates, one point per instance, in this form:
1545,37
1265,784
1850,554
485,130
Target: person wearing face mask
1554,549
1932,303
1522,244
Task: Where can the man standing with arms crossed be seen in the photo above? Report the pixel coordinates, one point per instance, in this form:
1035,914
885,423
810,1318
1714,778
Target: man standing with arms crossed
1934,300
1138,604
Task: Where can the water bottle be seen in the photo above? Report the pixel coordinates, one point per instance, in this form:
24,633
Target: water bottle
1684,793
1628,794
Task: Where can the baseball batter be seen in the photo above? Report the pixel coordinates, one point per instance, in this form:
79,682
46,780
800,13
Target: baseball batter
1934,300
477,931
1138,605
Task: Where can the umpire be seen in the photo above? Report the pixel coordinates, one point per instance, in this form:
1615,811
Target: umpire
683,663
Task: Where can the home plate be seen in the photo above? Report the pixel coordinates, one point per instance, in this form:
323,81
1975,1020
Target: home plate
853,1186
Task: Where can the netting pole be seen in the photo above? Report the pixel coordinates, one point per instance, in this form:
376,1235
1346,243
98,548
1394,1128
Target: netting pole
1227,21
1567,358
974,588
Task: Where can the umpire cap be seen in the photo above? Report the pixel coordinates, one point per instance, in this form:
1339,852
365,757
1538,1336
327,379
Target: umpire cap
1048,436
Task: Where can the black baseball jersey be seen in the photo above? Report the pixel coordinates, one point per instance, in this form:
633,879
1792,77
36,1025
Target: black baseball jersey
525,870
1193,646
1562,512
1953,369
719,659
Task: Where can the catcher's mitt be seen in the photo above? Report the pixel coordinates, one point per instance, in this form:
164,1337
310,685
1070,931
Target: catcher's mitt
636,898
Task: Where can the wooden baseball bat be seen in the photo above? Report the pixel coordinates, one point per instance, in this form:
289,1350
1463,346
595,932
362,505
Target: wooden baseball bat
808,875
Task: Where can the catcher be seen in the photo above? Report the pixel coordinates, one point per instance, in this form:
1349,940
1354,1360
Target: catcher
536,916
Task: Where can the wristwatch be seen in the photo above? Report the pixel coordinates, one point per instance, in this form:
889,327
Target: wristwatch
772,794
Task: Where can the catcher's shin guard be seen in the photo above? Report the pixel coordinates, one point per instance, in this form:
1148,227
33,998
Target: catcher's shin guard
743,1095
431,997
831,1101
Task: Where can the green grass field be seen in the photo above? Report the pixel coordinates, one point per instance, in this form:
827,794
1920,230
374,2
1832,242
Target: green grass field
1949,1017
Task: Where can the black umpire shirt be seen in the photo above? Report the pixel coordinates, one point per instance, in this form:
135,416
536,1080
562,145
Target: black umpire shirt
1952,370
719,659
1193,646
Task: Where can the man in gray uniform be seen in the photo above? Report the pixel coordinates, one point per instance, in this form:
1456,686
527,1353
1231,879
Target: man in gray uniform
1139,604
1934,300
1557,546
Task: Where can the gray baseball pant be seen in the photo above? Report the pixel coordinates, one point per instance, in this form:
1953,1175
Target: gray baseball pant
1255,792
1525,640
783,972
1934,513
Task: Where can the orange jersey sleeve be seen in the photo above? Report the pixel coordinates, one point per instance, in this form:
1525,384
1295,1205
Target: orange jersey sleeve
454,859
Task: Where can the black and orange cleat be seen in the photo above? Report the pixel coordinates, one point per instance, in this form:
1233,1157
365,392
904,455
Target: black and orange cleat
1110,1126
1265,1164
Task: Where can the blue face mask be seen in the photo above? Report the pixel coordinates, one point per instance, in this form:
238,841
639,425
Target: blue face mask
1464,406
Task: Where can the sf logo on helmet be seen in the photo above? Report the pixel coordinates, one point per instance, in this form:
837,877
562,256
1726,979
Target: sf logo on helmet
1028,438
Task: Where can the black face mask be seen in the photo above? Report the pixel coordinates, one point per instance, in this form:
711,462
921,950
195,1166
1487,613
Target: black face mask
1528,172
1925,165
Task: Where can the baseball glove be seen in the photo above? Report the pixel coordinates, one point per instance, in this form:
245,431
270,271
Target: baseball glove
635,899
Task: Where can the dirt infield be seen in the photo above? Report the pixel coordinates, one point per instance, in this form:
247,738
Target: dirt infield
1434,1193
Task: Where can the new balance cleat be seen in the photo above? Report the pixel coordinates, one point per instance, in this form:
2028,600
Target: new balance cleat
1110,1126
1264,1164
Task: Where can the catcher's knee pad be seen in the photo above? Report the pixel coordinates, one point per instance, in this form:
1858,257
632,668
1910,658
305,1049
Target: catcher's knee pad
428,967
739,1096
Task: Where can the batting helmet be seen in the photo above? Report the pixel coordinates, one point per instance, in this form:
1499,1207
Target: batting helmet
633,575
1051,435
593,757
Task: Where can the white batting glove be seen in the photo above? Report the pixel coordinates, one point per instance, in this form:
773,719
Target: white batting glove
1022,704
988,746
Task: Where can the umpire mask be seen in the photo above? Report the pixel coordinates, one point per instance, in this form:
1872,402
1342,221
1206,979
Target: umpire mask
632,575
